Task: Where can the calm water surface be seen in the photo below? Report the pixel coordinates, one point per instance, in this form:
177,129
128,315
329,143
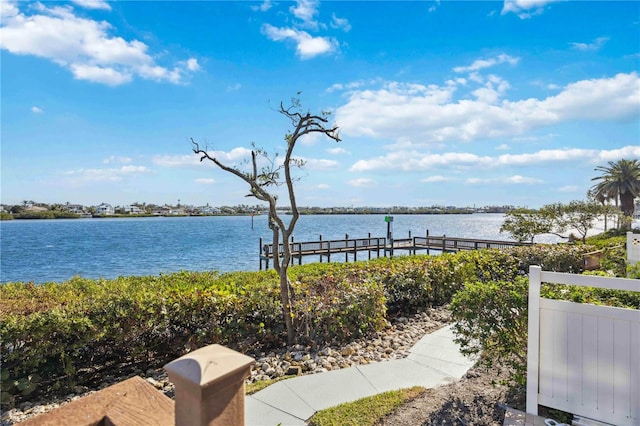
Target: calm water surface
56,250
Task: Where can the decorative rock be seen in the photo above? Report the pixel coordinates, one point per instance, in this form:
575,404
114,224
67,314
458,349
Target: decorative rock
347,351
294,370
392,343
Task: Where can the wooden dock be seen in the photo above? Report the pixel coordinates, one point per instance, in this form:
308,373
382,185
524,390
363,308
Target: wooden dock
378,245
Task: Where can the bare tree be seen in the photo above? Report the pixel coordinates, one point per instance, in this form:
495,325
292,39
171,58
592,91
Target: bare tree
261,178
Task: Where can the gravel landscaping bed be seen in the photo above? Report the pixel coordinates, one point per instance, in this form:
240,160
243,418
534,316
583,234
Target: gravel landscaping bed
393,342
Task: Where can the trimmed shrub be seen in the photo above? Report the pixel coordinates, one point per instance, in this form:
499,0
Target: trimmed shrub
58,335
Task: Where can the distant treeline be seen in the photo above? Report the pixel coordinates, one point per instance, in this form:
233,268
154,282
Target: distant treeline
57,214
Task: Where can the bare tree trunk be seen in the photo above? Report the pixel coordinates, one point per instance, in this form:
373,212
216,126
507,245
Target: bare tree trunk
260,180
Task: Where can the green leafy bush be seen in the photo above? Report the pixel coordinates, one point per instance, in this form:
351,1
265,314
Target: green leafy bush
57,335
490,313
491,320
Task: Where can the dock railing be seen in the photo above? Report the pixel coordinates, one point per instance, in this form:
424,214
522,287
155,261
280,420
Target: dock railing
325,248
378,245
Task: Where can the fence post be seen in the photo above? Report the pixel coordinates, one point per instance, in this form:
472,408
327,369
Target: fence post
346,246
533,344
209,385
428,242
633,248
292,260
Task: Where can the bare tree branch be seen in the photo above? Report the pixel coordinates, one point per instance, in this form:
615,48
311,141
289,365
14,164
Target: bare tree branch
261,178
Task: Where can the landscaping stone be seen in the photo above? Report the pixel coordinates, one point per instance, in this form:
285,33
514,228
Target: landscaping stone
392,343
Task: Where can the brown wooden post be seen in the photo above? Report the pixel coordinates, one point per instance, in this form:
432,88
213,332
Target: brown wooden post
260,253
444,243
369,243
355,250
320,248
291,250
346,246
209,385
428,242
413,243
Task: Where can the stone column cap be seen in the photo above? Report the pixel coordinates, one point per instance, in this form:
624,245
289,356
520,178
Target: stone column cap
208,364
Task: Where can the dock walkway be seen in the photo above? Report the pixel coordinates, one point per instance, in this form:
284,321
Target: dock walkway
378,245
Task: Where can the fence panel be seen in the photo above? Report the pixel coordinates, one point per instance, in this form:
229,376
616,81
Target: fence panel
583,359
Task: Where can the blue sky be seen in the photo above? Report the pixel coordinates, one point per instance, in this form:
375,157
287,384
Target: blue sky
438,102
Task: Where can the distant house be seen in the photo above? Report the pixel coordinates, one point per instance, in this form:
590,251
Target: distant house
208,210
132,210
161,211
105,209
75,208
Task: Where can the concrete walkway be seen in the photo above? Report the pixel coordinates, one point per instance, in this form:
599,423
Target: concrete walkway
434,360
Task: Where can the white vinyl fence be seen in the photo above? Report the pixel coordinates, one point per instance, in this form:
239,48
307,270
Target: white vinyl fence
633,248
583,359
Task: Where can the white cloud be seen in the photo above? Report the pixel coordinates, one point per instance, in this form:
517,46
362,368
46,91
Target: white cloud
306,45
525,9
487,63
430,115
517,179
361,182
350,86
320,164
234,87
337,151
105,175
416,161
84,46
306,10
263,7
205,181
514,180
596,45
191,64
93,4
36,110
236,155
340,23
503,147
322,186
617,154
112,159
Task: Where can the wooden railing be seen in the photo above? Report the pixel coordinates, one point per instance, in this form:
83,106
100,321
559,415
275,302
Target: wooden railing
378,245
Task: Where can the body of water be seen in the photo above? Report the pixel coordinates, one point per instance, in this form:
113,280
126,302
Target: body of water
56,250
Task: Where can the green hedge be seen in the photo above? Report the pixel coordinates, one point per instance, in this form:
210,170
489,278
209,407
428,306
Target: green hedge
58,335
490,312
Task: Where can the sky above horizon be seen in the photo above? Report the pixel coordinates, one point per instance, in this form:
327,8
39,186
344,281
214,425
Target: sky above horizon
438,102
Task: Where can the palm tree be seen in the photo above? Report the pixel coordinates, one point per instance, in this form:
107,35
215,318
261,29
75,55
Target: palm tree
620,181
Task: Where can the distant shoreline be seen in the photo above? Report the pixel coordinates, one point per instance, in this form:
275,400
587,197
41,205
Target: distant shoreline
38,216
